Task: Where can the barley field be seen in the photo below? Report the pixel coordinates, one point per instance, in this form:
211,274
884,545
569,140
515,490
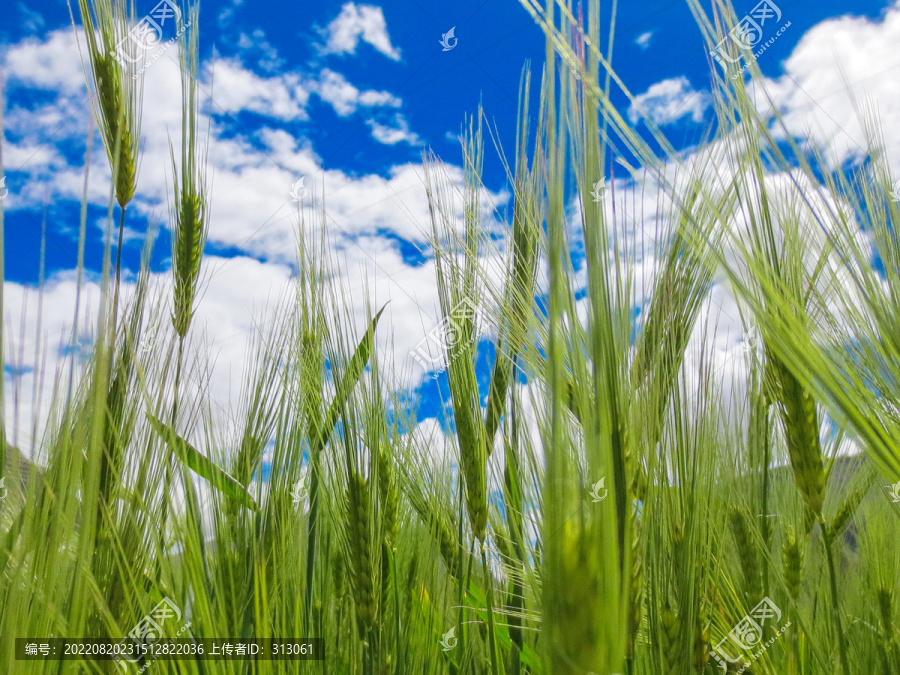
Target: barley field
604,499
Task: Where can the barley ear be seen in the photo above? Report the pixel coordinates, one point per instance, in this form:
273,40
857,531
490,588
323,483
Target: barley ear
118,101
190,207
747,554
387,496
358,511
847,510
792,562
575,612
668,639
802,433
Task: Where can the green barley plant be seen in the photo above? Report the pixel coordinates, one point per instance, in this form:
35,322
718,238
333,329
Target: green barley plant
190,202
613,494
117,102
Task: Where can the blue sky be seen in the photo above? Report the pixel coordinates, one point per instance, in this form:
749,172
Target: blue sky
437,88
352,94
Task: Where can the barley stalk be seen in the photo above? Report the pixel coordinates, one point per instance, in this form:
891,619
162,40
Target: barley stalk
190,212
747,555
636,595
117,103
889,651
701,639
885,613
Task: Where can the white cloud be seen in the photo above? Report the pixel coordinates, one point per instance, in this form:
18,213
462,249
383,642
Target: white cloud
240,296
398,133
668,101
357,22
643,221
52,63
257,42
643,40
253,213
334,89
252,173
280,97
839,68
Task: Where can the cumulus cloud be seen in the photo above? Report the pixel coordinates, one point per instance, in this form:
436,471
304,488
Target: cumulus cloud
668,101
829,80
240,297
643,40
642,214
253,171
236,89
51,63
334,89
355,23
398,132
252,213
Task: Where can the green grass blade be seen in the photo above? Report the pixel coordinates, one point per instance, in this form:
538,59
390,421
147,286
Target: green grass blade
202,465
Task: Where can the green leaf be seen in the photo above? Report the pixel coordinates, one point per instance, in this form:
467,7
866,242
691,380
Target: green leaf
531,660
201,465
345,385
